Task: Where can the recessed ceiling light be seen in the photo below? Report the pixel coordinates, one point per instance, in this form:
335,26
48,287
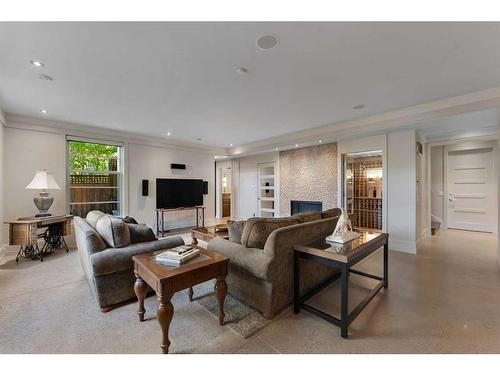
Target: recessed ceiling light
267,42
241,70
45,77
37,63
43,111
296,145
276,148
230,145
168,134
320,141
359,106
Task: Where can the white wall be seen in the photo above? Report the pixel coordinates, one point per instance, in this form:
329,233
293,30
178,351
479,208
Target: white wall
401,191
246,185
3,232
28,150
151,162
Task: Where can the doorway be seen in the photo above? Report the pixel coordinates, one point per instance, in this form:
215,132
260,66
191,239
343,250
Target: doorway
363,188
464,186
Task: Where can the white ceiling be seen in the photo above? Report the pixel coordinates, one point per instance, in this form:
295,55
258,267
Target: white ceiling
154,78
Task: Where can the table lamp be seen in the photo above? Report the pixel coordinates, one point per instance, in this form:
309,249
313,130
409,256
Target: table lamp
43,180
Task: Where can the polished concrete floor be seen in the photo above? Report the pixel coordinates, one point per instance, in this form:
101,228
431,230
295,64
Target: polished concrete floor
444,300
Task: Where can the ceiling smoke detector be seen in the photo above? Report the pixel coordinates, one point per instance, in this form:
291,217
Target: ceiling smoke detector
267,42
241,70
359,106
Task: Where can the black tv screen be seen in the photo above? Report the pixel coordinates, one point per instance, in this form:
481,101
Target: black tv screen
176,193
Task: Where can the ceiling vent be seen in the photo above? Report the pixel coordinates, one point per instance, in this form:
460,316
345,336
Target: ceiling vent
267,42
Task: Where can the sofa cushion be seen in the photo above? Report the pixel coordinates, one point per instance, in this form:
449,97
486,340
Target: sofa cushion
257,229
87,237
113,231
130,220
235,230
333,212
140,233
113,260
306,217
93,217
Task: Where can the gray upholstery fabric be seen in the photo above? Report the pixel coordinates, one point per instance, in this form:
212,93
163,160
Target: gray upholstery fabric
109,271
118,259
264,278
235,230
93,217
140,233
305,217
113,231
333,212
257,229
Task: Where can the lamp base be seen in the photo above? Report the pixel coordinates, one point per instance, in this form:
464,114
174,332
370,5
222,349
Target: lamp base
43,215
43,203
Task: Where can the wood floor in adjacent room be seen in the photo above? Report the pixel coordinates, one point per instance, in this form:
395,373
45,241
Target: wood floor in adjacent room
444,300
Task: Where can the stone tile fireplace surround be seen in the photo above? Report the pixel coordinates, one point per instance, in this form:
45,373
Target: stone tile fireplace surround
308,174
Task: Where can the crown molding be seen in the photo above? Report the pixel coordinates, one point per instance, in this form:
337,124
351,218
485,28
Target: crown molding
87,131
376,124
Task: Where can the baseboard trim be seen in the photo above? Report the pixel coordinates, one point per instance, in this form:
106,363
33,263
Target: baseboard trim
409,247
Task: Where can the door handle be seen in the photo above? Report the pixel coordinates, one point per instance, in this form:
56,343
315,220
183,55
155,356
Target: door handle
451,198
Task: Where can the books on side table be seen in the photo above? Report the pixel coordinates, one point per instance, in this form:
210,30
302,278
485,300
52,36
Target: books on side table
177,255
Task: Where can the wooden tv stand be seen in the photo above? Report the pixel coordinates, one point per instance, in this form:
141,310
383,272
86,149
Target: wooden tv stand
160,213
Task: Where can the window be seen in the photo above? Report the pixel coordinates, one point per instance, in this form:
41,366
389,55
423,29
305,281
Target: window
94,177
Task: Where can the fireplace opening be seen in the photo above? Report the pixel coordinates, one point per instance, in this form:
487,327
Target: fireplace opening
305,206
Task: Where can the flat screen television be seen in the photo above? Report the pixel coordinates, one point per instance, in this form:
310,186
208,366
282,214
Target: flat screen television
175,193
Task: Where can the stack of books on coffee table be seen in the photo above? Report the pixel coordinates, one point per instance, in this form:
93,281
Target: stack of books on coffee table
177,256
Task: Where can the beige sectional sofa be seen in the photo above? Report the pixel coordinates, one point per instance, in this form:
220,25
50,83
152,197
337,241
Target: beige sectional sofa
261,266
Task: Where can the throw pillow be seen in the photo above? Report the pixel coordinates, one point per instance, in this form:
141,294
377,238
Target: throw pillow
113,231
257,230
140,233
235,230
333,212
130,220
306,217
93,217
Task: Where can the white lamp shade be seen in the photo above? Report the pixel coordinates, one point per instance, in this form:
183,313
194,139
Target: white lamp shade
43,180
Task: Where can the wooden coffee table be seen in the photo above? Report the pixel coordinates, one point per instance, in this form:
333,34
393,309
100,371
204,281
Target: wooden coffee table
166,280
207,233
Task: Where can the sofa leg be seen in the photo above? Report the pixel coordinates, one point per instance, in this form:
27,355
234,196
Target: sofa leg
106,309
268,316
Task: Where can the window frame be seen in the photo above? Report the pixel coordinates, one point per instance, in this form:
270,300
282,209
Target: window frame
122,188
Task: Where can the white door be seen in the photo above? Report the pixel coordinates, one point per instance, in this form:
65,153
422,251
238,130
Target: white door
266,190
471,182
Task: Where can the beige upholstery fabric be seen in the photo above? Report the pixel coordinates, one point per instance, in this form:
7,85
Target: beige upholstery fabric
235,230
93,217
257,229
264,278
334,212
113,231
306,217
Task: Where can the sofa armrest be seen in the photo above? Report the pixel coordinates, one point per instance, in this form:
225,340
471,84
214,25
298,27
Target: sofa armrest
118,259
251,260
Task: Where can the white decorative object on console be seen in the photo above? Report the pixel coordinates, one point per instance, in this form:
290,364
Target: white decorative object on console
343,231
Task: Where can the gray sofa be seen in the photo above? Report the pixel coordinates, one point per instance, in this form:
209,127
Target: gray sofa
110,270
261,266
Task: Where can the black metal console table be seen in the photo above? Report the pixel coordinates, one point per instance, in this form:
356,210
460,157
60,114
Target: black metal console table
160,217
343,257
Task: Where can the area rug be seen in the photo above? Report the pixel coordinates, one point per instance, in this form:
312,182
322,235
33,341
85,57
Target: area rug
243,319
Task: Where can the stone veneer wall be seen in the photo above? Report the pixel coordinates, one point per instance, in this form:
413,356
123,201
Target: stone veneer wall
308,174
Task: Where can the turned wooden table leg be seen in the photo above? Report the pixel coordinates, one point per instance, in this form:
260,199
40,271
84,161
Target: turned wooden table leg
165,313
194,241
221,291
190,294
140,288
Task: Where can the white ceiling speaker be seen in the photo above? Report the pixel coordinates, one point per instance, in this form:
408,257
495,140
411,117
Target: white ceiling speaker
267,42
